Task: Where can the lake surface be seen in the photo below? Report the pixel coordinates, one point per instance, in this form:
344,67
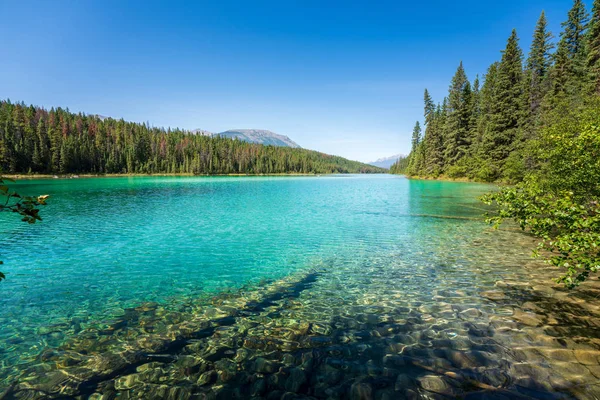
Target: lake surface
330,287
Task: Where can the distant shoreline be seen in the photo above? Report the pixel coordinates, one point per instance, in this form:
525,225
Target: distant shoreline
77,176
448,179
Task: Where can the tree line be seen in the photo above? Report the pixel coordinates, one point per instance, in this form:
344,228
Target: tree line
535,123
35,140
485,129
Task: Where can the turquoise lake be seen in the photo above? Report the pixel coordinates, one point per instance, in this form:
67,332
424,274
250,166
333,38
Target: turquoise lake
362,286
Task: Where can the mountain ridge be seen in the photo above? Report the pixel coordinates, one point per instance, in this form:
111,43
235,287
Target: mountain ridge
259,136
385,162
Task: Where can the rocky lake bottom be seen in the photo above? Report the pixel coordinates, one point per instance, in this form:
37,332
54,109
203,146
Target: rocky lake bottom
426,303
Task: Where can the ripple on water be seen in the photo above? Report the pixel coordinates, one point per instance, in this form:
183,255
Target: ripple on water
460,311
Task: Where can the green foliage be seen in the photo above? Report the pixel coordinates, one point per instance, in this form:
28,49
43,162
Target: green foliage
400,166
569,230
538,66
537,126
487,131
57,141
571,56
416,136
593,47
458,121
560,203
25,206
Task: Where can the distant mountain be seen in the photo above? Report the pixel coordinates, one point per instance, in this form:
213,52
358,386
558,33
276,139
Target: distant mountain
259,136
386,162
202,132
100,117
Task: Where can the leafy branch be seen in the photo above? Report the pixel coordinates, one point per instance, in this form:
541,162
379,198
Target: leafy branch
569,230
25,206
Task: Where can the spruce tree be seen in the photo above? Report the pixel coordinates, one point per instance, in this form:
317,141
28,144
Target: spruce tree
505,107
429,107
571,55
431,148
593,48
416,136
458,120
435,145
539,63
573,34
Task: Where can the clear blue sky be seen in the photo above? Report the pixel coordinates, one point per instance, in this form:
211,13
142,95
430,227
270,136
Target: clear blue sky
345,78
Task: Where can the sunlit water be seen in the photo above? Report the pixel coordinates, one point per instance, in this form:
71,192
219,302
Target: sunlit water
328,287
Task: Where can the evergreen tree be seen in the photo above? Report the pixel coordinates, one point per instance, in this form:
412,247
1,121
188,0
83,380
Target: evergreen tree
35,140
434,157
571,56
539,63
458,120
506,108
429,107
492,131
573,34
593,48
416,136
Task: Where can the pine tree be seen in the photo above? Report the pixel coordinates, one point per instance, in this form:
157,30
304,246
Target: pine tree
429,107
571,56
573,34
560,73
416,136
476,97
42,145
475,113
539,63
505,106
64,158
458,121
593,48
434,141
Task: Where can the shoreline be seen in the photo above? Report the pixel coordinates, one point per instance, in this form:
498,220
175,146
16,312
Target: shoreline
77,176
448,179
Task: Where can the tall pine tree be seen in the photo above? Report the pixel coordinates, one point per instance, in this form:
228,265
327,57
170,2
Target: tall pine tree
539,63
416,136
571,55
593,48
505,107
458,119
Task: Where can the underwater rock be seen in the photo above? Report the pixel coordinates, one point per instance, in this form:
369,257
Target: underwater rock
470,313
494,295
288,360
295,381
207,378
278,380
307,360
361,391
241,354
264,366
275,395
403,382
226,369
128,382
436,384
258,387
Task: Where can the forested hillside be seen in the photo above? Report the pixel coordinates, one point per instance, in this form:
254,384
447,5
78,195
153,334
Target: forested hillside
534,123
34,140
489,131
